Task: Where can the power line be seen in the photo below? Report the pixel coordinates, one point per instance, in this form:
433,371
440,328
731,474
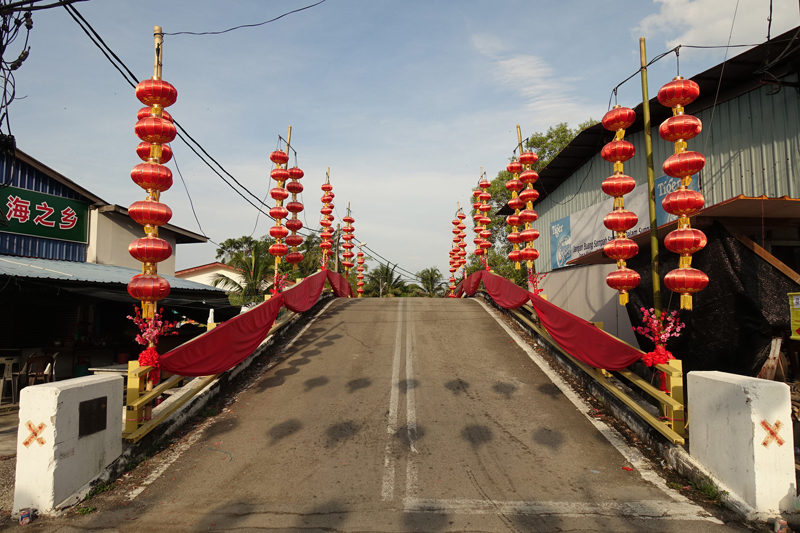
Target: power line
244,25
132,80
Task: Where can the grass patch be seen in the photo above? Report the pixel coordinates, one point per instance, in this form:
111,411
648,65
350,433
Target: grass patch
707,488
81,510
675,486
100,488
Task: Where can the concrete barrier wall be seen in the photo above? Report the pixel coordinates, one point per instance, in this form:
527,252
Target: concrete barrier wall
57,455
740,429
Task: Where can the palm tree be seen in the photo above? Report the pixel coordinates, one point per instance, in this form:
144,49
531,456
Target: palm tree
385,282
431,281
255,272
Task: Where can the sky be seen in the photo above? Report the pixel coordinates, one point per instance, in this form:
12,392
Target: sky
404,100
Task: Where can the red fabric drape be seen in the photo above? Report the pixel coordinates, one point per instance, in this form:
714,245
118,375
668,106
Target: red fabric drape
581,339
226,345
341,287
302,297
233,341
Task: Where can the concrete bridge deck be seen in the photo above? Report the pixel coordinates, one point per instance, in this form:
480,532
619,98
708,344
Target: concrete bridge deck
400,415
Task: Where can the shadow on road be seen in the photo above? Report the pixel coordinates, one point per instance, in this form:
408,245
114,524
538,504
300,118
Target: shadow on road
284,429
506,389
477,435
426,521
340,432
456,386
357,384
551,438
313,383
406,384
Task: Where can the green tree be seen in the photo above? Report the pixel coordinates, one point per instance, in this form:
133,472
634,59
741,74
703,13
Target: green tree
547,146
254,271
383,281
431,282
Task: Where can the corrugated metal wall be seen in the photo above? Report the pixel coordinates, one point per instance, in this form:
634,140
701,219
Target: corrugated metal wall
24,176
751,145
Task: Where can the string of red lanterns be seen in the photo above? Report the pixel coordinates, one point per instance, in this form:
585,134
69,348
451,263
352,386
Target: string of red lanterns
482,206
620,220
683,202
155,128
516,203
348,236
528,216
455,260
360,276
294,224
327,219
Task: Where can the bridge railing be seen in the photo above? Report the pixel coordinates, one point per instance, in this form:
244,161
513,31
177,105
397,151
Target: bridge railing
672,421
140,397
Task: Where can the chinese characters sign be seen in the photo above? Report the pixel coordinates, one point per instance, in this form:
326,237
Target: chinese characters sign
44,215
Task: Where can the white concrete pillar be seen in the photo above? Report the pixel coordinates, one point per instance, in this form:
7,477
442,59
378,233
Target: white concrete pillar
69,432
740,429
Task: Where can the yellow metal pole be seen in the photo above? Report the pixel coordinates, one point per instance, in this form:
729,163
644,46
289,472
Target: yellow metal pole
651,184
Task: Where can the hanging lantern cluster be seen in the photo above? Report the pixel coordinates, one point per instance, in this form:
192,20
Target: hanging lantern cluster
155,128
348,245
683,202
458,253
360,276
278,193
481,218
326,221
294,224
620,220
515,186
524,213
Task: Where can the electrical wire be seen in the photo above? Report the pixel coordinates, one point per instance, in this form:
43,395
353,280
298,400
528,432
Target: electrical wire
183,134
244,25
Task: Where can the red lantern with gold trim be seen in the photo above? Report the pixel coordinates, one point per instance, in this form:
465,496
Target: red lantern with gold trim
683,202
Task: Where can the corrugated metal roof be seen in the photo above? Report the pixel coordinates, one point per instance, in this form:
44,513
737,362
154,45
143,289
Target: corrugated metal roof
30,267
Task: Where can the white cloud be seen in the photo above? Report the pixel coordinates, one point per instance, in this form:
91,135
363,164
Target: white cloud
708,22
551,97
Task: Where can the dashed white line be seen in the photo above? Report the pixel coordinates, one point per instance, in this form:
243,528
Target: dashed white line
387,487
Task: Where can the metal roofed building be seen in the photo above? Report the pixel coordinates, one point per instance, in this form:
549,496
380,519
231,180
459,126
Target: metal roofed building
750,110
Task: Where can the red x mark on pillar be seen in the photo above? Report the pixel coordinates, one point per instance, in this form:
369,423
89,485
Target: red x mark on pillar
35,432
772,433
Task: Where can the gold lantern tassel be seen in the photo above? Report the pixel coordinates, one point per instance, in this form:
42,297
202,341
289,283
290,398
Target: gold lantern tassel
686,302
623,297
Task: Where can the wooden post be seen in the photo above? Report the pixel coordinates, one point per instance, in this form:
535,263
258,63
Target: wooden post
133,416
159,52
675,417
651,184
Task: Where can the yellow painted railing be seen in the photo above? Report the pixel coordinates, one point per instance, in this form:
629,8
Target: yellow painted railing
139,419
673,422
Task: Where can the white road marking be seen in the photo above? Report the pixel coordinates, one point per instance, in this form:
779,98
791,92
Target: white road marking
387,490
411,411
632,455
178,450
644,509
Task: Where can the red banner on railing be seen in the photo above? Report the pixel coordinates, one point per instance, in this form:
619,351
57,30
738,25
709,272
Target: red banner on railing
581,339
234,340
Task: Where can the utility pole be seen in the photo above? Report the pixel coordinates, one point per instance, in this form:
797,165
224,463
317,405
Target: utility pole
651,184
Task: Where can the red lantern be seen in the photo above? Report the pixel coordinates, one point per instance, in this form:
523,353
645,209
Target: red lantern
514,185
148,287
148,112
155,130
279,174
294,207
683,202
294,187
150,213
294,257
529,195
279,157
279,193
516,203
150,250
156,93
684,164
617,151
623,280
680,128
294,240
144,152
151,176
278,212
528,158
294,225
618,185
529,177
278,249
514,167
278,232
620,220
621,249
678,93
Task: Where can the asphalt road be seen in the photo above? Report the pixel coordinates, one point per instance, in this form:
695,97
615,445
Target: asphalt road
402,415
